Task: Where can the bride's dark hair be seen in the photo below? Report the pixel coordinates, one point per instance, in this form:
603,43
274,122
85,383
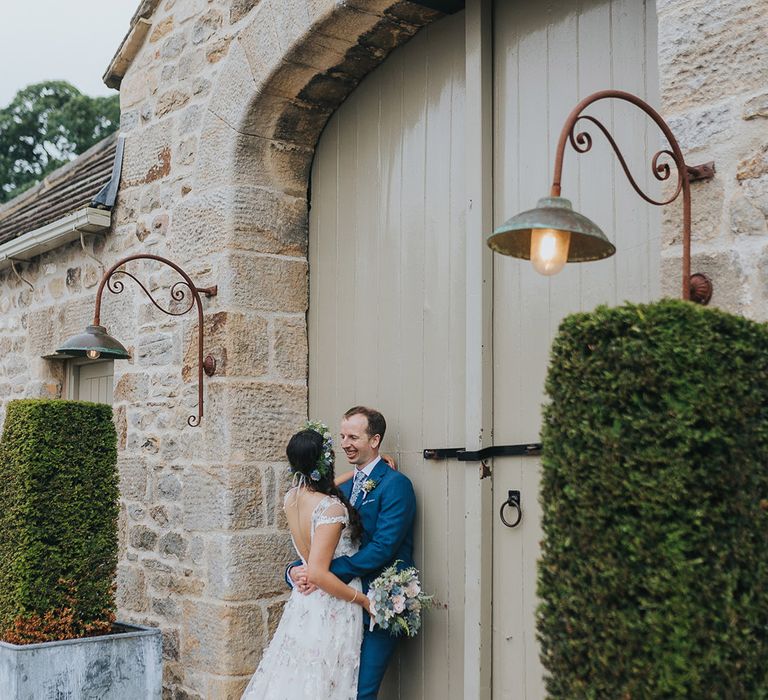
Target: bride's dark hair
303,452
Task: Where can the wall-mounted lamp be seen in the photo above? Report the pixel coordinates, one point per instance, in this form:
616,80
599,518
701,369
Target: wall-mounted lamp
95,342
553,234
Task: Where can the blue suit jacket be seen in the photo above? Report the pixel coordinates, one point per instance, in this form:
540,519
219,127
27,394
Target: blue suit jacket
388,512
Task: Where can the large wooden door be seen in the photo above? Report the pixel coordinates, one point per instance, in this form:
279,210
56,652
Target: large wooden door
548,56
388,286
386,319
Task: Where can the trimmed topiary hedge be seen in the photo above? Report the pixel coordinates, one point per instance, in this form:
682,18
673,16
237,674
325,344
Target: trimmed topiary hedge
654,570
58,520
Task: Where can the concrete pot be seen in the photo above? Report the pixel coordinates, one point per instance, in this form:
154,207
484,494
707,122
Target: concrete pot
127,664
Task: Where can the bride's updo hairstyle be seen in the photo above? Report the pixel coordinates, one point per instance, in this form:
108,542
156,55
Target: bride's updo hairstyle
310,457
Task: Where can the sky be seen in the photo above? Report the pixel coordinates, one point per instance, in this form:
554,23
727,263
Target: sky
72,40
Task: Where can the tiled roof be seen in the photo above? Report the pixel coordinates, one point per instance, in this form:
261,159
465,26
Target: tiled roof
72,187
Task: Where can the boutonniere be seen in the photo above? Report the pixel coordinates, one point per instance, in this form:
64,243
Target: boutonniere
369,485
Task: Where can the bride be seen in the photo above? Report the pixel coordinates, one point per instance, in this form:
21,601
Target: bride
315,652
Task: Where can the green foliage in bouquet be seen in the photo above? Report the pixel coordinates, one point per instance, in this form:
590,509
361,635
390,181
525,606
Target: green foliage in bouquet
58,520
655,479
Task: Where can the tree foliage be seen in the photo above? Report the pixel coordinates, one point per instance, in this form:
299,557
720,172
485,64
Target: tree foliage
45,126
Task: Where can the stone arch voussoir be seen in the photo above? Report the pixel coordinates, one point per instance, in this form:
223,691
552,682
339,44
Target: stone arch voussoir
291,67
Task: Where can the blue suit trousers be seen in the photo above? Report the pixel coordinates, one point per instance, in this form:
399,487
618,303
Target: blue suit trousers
378,647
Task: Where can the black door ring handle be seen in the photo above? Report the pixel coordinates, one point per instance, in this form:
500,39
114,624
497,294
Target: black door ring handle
513,501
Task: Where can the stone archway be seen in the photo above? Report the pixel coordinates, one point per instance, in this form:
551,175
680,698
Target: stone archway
245,213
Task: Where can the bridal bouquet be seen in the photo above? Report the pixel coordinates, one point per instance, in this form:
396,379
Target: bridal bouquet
397,601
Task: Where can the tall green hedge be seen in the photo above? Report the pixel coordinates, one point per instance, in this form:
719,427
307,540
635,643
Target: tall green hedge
58,512
654,572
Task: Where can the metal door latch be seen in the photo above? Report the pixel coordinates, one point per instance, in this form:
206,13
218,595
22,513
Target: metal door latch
513,501
528,449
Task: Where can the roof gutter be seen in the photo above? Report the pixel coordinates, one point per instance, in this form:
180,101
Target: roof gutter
92,219
55,234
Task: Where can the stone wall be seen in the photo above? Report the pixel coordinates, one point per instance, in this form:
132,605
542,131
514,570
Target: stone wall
713,68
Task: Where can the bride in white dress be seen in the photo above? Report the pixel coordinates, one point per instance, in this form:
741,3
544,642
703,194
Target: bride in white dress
315,652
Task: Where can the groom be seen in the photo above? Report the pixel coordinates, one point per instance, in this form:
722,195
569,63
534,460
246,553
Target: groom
387,506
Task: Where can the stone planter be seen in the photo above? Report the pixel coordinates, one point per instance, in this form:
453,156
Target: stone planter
126,664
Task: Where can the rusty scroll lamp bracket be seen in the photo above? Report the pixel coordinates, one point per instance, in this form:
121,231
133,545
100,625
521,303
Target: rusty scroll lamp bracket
553,234
96,343
697,287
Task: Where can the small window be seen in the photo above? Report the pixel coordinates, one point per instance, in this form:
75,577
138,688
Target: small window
90,381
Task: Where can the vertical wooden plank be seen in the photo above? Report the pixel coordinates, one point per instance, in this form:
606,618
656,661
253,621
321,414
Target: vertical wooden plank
597,183
651,73
531,182
534,172
349,284
366,232
456,390
389,336
563,90
432,480
509,26
324,314
564,291
631,215
412,263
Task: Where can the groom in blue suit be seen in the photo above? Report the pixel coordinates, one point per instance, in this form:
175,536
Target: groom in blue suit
387,506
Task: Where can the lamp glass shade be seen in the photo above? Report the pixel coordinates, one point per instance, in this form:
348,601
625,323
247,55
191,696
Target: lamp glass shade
94,339
587,241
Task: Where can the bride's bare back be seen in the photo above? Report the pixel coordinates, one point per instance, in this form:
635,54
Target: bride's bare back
299,505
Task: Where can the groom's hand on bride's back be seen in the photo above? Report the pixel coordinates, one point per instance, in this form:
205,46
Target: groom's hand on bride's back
300,579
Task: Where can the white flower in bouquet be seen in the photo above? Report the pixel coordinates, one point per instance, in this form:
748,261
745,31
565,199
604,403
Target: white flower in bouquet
397,601
413,589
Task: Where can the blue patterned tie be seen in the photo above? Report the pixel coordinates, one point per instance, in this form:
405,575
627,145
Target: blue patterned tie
357,487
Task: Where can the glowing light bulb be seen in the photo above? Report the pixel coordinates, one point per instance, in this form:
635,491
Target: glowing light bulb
92,354
549,250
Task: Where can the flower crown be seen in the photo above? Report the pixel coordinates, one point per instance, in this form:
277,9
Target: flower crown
324,466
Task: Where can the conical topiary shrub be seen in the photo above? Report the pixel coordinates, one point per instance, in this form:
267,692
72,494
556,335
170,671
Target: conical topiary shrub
58,520
655,479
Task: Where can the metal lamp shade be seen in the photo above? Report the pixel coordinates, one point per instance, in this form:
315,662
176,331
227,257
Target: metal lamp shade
588,242
94,338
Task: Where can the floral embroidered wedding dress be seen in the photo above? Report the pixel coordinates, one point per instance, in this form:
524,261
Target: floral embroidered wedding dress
315,652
